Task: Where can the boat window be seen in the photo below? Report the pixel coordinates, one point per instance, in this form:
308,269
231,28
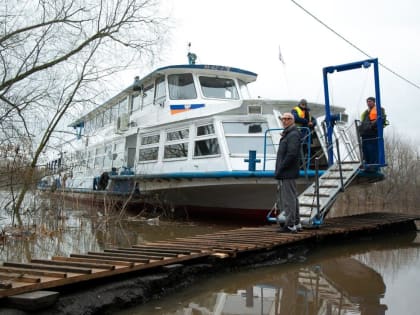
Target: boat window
214,87
99,120
177,135
176,150
99,157
114,113
106,117
150,139
89,160
205,130
123,106
206,147
108,156
78,160
99,161
238,144
160,91
254,109
107,161
243,87
242,137
80,155
118,153
245,127
88,126
100,150
181,87
149,149
136,103
118,147
148,154
148,94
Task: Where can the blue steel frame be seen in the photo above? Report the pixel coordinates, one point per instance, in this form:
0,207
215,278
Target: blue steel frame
329,119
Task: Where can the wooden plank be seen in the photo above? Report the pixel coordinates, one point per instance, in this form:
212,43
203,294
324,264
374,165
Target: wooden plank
119,251
165,250
204,246
242,239
107,258
148,252
5,284
36,272
48,267
179,245
210,242
93,260
73,264
135,258
18,277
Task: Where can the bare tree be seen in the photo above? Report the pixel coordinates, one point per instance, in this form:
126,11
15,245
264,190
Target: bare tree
397,193
52,55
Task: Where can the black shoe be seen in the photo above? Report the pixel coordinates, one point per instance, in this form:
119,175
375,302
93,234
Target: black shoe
288,229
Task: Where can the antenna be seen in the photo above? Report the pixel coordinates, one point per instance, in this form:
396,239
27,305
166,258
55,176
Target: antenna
191,56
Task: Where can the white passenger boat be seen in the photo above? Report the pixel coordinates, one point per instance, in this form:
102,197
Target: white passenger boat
191,137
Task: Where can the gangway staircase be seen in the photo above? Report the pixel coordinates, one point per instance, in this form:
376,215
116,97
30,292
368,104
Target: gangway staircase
317,199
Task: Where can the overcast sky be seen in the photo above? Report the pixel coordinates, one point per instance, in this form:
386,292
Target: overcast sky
247,34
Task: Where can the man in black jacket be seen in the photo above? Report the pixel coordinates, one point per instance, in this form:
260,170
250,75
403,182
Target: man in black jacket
287,170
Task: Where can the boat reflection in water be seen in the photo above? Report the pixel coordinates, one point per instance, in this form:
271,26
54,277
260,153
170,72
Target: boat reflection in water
336,286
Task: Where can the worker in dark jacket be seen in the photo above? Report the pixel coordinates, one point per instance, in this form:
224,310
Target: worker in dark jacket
369,134
287,170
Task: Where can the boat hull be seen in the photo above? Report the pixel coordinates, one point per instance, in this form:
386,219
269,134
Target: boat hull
211,199
245,202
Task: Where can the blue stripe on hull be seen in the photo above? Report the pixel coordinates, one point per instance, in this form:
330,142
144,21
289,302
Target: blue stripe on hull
217,174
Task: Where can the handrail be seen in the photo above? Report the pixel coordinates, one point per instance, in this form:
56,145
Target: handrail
265,144
308,141
339,165
317,187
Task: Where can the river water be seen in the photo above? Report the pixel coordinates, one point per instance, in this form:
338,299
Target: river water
372,276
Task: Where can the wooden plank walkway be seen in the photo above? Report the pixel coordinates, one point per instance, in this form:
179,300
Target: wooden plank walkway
17,278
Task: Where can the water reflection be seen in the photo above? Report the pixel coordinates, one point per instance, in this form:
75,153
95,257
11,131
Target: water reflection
336,286
333,280
55,231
